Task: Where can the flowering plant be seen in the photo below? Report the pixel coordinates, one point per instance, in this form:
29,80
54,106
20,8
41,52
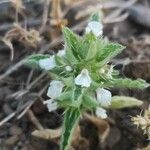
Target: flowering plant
82,75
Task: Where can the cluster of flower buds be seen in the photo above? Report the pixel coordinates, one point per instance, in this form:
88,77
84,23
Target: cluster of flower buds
83,79
81,76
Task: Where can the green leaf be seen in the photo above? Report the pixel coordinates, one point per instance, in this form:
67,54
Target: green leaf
60,61
96,16
69,81
88,42
71,119
119,102
72,45
71,98
66,100
89,102
92,51
108,51
33,60
128,83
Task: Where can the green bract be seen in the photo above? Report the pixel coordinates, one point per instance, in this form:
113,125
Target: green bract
83,71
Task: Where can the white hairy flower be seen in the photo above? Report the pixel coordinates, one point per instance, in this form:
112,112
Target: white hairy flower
100,112
51,105
61,53
55,89
83,79
47,63
95,27
103,97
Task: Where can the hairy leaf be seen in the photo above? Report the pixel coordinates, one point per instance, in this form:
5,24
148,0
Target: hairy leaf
69,81
60,61
71,119
72,43
119,102
108,51
88,43
66,100
89,102
71,98
128,83
33,60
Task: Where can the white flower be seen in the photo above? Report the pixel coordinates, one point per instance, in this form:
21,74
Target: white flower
100,112
68,68
103,97
83,79
94,27
47,63
55,89
61,53
51,105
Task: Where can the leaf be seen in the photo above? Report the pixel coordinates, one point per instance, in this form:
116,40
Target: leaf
71,98
71,119
92,51
89,102
119,102
128,83
60,61
69,81
108,51
72,43
65,100
96,16
33,60
88,43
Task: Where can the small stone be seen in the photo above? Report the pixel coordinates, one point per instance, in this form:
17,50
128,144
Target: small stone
15,130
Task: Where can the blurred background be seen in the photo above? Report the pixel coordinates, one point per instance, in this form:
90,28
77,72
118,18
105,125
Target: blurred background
34,26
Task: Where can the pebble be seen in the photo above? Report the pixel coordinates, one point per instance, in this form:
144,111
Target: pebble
15,130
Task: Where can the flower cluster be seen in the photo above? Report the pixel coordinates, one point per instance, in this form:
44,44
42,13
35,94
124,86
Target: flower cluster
83,79
81,76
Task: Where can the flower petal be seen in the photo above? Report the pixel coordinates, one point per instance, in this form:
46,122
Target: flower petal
100,112
95,27
55,89
103,97
83,79
47,63
61,53
51,105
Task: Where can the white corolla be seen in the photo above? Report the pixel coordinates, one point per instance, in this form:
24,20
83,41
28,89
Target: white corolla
103,97
83,79
95,27
47,63
54,91
61,53
100,112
